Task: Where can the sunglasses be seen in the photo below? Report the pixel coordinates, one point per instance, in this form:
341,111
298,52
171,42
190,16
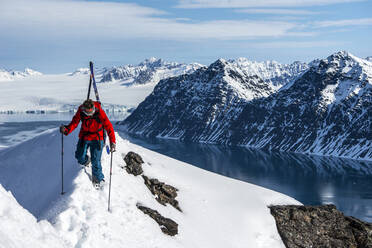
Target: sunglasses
89,111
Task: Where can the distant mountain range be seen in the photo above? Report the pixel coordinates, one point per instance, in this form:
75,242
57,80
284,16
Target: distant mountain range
10,75
149,71
323,107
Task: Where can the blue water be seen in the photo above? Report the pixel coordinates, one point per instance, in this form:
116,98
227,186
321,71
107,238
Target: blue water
312,180
309,179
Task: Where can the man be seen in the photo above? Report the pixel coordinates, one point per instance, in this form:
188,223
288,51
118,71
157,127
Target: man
93,123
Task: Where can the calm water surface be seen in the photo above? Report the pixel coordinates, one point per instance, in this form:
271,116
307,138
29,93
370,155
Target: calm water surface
309,179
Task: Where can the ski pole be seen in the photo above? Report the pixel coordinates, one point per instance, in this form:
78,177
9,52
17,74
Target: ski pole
108,208
62,164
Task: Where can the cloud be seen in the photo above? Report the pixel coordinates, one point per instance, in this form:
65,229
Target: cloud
295,44
256,3
61,19
277,11
344,23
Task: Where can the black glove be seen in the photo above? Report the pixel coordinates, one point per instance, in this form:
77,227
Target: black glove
63,129
112,147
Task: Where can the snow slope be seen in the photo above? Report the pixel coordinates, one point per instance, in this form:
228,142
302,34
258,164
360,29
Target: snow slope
19,228
217,211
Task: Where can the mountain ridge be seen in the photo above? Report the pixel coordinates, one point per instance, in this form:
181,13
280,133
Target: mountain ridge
316,113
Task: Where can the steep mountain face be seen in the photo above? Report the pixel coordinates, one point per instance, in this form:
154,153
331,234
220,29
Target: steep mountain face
10,75
197,106
150,71
271,71
326,110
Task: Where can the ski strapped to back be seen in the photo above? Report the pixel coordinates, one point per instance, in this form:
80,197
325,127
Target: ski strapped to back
92,79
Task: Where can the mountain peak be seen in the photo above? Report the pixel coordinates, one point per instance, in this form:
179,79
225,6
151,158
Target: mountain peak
341,56
152,62
218,64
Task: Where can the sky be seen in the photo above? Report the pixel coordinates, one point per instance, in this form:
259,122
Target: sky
56,36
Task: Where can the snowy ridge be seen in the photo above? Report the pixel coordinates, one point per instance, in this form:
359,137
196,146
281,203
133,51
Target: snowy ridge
149,71
217,211
271,71
10,75
324,111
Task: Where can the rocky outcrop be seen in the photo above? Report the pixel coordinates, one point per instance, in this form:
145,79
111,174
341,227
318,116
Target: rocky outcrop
133,161
164,193
168,226
320,226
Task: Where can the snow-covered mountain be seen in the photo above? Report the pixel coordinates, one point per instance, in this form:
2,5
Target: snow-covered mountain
325,110
199,104
10,75
369,58
80,71
216,212
271,71
149,71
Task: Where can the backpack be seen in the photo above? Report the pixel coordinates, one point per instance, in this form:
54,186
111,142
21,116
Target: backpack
84,117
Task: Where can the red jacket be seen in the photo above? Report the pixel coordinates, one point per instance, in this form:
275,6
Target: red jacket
92,126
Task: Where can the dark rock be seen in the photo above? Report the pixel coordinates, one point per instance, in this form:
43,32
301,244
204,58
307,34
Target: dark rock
164,193
168,226
133,161
320,226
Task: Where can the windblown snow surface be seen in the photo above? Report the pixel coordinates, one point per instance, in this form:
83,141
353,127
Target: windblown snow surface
217,211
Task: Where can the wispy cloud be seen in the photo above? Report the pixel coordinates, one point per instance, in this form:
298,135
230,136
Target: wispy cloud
277,11
256,3
344,23
110,20
295,44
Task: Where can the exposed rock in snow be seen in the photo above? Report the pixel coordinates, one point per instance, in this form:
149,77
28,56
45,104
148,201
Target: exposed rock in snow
320,226
133,161
10,75
369,58
326,110
167,225
164,193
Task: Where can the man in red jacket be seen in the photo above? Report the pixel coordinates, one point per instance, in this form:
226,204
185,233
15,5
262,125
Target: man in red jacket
93,123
